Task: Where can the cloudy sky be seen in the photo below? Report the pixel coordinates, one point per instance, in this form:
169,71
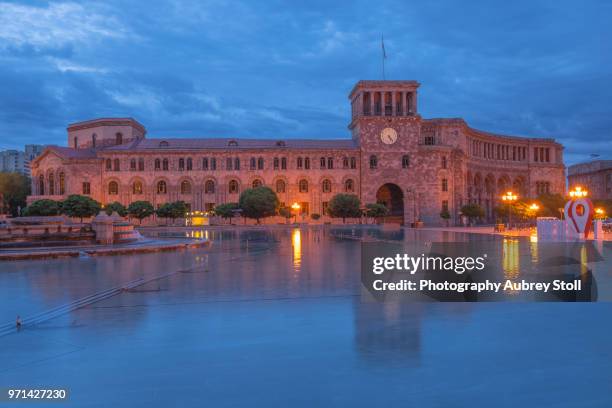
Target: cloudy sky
283,69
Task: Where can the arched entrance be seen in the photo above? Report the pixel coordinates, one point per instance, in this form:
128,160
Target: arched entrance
392,197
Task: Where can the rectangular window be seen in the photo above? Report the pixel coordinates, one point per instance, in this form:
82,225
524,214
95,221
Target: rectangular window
535,154
141,164
284,163
209,207
228,163
213,163
205,163
547,155
324,207
444,185
86,188
445,205
330,163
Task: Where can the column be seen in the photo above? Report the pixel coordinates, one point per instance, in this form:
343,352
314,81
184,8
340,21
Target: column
393,110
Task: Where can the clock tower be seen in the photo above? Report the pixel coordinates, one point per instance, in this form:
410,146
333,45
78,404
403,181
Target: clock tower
386,127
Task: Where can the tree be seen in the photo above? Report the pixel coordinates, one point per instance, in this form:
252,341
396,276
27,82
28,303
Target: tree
445,215
285,212
344,206
116,207
258,202
472,211
140,210
80,206
14,188
177,209
226,211
43,208
376,211
315,216
550,205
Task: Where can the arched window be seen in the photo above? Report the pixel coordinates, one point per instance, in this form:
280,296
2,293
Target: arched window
181,164
163,143
157,164
280,186
165,164
62,183
260,163
349,186
326,186
209,187
253,163
373,162
232,143
118,138
51,184
189,164
300,163
109,164
307,163
132,164
161,187
303,186
233,187
141,164
185,187
116,165
41,185
257,183
113,188
93,140
405,161
137,188
237,163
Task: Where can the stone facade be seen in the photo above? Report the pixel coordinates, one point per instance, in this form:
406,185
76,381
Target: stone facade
415,166
595,177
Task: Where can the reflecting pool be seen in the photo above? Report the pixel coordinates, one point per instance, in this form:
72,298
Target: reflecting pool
275,317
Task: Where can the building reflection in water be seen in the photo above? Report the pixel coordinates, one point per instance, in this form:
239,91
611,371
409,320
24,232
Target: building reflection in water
510,258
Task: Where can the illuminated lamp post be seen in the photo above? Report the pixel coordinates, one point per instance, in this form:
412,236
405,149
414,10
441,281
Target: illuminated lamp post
509,198
600,214
578,192
295,207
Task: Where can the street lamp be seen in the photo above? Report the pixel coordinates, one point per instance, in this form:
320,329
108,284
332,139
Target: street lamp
295,207
578,192
600,213
509,197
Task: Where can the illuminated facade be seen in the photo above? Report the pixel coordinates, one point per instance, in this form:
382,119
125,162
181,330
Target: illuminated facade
415,166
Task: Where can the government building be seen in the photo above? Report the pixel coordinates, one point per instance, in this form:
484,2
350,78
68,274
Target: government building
417,167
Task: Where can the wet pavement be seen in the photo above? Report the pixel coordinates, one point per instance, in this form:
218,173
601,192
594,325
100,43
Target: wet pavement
275,318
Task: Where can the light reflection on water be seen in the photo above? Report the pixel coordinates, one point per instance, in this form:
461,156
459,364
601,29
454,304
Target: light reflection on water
278,312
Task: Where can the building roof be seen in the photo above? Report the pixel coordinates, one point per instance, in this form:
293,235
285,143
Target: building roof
86,124
589,167
231,143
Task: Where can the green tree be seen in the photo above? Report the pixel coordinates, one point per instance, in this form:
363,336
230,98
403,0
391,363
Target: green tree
116,207
285,212
80,206
445,215
44,208
164,211
258,202
14,188
315,216
226,211
472,211
344,206
376,211
550,205
174,210
140,210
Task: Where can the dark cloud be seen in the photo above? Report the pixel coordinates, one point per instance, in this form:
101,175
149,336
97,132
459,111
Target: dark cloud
277,69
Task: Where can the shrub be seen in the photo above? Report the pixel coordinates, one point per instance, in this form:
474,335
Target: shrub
344,206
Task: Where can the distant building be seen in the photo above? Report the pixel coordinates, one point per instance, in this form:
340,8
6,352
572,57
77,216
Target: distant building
595,176
416,167
12,161
17,161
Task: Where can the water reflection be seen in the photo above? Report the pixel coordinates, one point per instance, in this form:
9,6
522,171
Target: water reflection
296,243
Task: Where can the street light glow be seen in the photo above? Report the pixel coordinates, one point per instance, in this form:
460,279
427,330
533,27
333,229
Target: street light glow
295,206
509,196
578,192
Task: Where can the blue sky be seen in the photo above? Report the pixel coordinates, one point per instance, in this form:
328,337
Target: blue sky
284,69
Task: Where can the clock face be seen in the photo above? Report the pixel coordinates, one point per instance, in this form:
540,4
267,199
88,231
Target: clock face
388,136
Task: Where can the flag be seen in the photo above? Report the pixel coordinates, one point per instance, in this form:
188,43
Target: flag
382,43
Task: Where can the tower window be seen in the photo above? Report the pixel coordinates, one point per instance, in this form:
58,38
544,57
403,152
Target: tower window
405,161
118,139
373,162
